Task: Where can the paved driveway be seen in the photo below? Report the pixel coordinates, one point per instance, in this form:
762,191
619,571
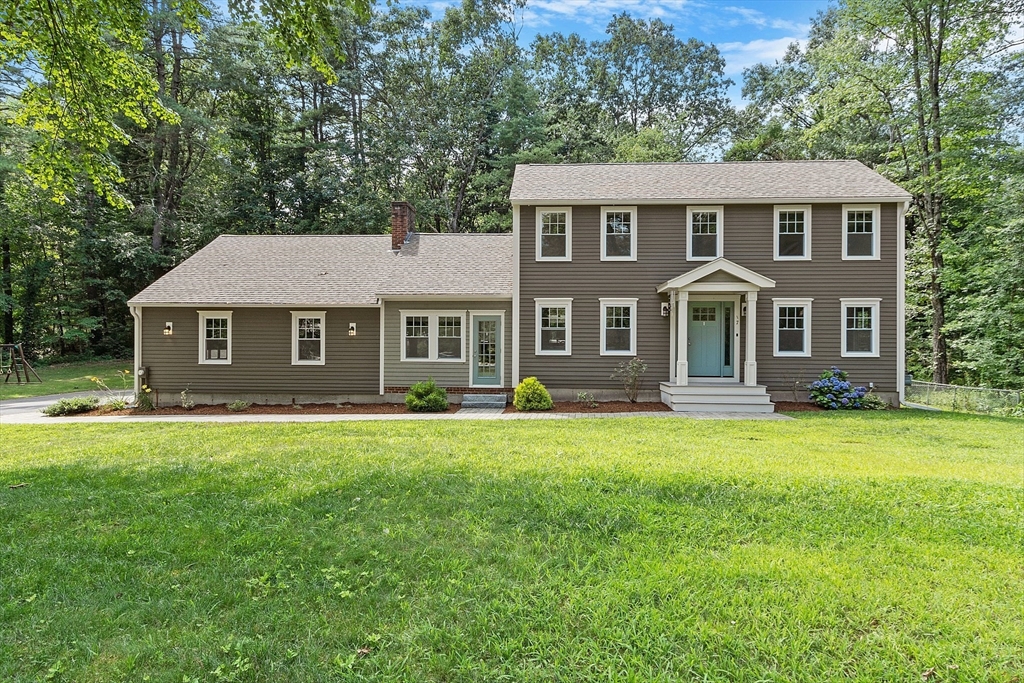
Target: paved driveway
14,408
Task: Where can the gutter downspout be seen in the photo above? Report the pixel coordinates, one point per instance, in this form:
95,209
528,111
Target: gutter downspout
136,312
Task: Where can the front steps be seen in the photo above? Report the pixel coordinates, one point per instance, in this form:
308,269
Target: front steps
711,397
484,401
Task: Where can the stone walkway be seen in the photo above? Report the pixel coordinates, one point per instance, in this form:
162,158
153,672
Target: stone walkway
9,415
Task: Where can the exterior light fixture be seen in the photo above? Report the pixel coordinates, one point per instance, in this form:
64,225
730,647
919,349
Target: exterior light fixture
351,329
168,329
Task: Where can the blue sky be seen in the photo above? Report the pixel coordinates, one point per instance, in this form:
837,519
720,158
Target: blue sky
745,31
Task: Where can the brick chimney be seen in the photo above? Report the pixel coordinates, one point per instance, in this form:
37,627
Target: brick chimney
403,223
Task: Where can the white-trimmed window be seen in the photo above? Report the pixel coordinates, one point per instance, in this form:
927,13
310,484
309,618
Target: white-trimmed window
704,233
215,337
792,327
861,232
618,233
860,327
554,234
792,233
308,337
434,336
554,327
618,327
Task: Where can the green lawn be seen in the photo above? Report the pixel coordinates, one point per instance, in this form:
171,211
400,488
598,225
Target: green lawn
835,547
60,379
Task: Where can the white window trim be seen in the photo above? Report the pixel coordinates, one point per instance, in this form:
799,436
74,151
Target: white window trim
295,336
876,324
876,223
806,208
203,316
719,248
548,303
568,233
632,318
632,233
776,305
433,328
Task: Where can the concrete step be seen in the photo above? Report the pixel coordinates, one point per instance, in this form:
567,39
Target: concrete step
723,407
717,398
484,400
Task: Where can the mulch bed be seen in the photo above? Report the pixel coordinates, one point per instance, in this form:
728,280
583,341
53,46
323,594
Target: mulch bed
287,409
603,407
797,407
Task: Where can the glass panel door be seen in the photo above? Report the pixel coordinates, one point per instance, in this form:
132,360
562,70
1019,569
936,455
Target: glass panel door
487,350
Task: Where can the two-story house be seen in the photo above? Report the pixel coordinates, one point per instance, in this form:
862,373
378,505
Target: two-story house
735,282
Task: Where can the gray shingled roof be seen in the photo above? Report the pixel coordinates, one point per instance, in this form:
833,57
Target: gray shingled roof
335,270
710,182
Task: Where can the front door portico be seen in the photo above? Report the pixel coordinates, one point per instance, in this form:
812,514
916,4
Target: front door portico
705,338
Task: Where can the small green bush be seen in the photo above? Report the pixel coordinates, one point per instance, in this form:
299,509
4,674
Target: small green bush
143,400
531,395
116,404
238,406
427,397
72,406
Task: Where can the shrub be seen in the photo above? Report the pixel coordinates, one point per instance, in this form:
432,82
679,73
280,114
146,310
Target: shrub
631,374
72,406
586,397
187,401
832,391
238,406
116,404
873,401
427,397
531,395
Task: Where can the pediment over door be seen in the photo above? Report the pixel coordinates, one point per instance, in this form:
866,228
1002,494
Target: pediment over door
720,275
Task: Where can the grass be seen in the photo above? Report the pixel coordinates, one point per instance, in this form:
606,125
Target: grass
66,378
833,547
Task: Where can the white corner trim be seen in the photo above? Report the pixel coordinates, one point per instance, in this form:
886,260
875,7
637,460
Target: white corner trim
806,208
552,303
136,312
875,304
381,351
632,303
806,304
516,255
719,226
632,233
876,226
901,299
203,317
295,336
541,210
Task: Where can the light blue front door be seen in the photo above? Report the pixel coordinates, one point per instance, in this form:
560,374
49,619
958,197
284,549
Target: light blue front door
709,338
487,350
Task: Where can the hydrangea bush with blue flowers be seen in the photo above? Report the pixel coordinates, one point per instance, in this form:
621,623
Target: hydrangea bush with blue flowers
832,391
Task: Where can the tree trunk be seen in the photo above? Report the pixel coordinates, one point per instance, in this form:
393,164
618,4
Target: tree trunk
8,289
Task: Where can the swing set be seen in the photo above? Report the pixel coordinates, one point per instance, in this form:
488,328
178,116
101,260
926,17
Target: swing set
12,362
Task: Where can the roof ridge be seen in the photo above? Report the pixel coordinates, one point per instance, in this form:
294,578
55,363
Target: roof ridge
700,163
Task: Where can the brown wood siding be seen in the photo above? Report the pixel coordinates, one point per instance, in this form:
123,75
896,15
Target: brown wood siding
261,351
399,373
661,256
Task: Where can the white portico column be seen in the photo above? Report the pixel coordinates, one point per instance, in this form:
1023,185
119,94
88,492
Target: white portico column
750,367
682,341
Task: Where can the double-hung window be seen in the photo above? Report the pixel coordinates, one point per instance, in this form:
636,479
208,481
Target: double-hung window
308,337
554,327
703,233
618,233
618,327
433,336
554,234
860,232
215,337
792,327
792,233
860,327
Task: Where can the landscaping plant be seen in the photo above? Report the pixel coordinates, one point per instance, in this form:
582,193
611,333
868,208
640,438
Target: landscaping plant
532,395
427,397
833,391
187,401
143,400
239,406
72,406
631,374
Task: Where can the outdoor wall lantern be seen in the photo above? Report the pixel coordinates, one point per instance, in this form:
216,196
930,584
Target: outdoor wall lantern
168,329
351,329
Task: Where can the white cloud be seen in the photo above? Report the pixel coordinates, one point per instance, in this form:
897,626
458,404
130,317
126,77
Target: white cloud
739,56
